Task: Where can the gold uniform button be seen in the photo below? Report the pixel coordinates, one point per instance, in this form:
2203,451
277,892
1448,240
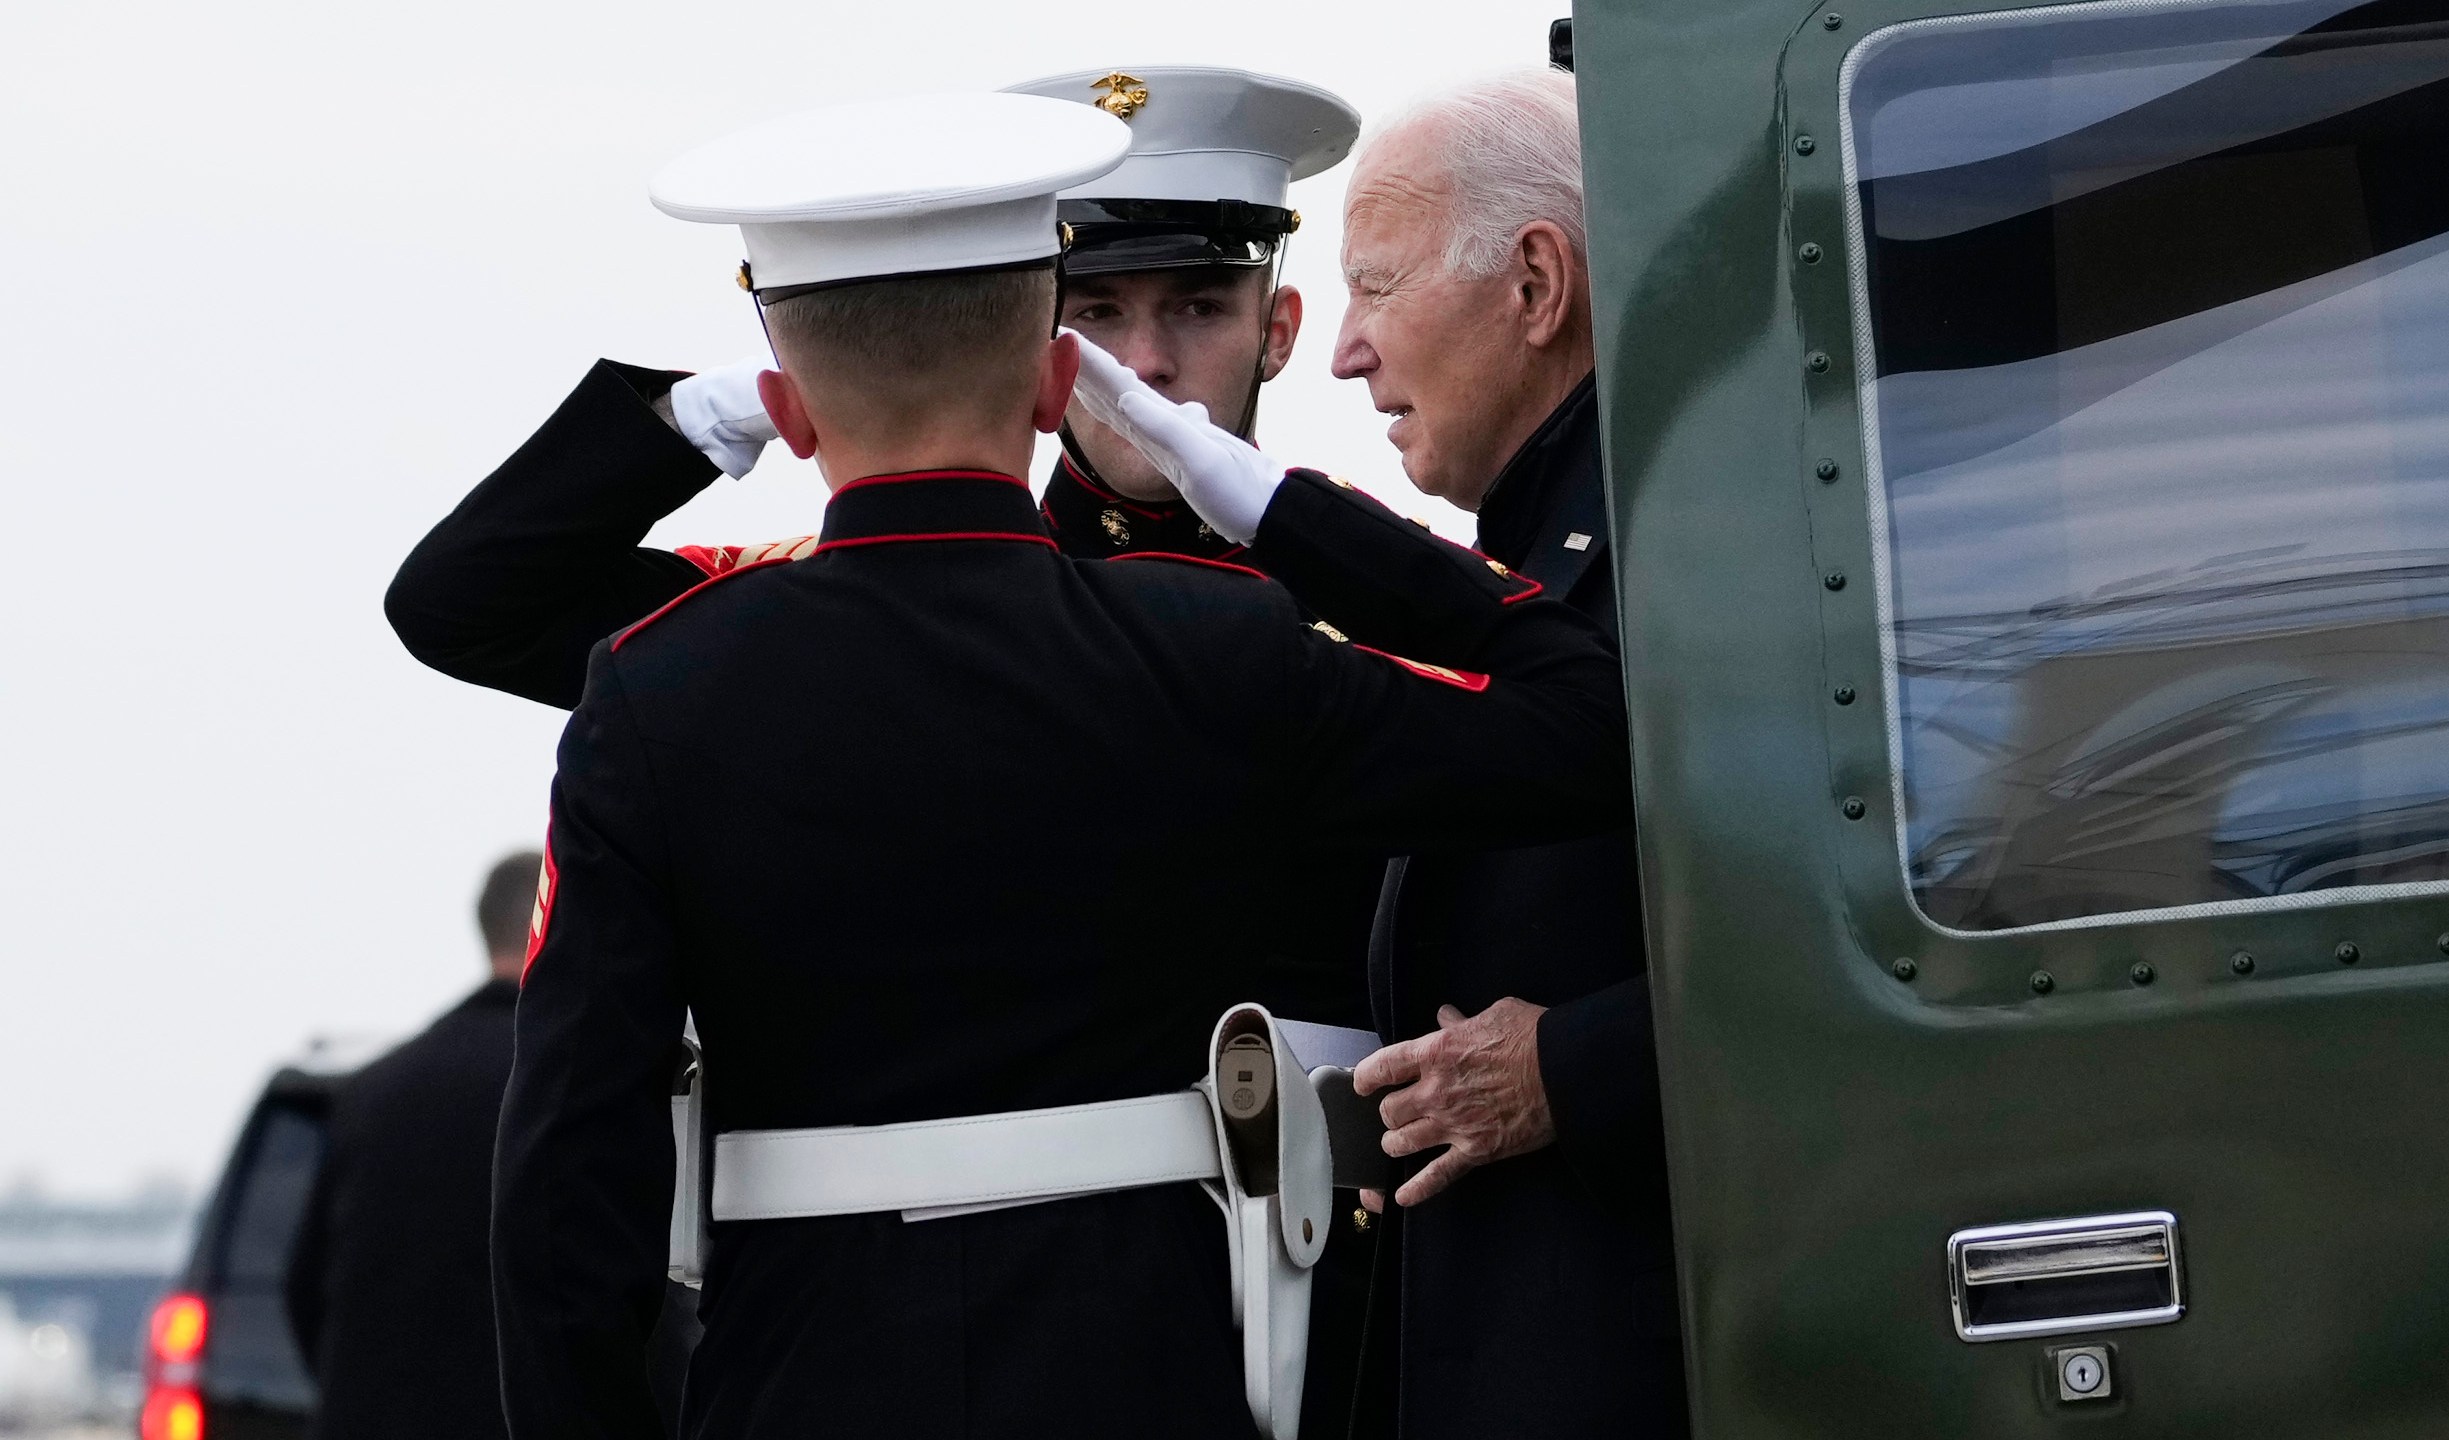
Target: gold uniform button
1360,1219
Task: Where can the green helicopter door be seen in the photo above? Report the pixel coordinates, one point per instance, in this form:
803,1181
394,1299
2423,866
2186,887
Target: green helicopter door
2028,445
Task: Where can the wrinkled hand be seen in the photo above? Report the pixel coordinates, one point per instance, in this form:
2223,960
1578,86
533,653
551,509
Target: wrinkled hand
1222,476
719,413
1473,1087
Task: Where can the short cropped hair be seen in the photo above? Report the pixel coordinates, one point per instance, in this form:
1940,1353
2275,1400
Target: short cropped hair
507,904
1513,151
897,344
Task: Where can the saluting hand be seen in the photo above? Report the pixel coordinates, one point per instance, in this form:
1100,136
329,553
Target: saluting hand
1472,1086
1225,478
721,413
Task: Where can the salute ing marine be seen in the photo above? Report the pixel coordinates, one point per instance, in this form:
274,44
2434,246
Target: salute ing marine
885,957
1172,265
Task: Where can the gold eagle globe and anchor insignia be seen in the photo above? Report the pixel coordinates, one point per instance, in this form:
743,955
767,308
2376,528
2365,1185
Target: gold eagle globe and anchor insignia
1115,527
1124,95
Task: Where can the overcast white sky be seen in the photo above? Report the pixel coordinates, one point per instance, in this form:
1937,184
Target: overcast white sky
280,281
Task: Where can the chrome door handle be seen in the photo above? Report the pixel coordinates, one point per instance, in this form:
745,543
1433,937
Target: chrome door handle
2054,1277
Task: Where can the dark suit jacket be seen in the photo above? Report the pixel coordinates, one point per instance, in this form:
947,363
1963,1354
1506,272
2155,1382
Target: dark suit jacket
1537,1294
388,1284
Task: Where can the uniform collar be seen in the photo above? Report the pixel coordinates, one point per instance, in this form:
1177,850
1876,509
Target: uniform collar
1091,522
1548,494
931,505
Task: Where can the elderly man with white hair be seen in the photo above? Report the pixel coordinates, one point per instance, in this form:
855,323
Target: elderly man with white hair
1537,1293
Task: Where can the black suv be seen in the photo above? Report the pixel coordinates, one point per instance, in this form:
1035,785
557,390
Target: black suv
220,1363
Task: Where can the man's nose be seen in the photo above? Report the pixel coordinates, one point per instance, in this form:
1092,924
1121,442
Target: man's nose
1148,357
1355,357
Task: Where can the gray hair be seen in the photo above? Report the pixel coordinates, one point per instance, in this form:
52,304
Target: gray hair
1513,154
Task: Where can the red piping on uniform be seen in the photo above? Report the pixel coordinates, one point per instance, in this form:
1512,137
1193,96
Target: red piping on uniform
548,890
930,475
1190,560
666,608
710,559
851,541
1134,506
1510,573
1471,680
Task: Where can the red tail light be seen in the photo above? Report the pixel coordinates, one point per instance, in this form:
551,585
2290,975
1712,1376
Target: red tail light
174,1347
178,1332
171,1414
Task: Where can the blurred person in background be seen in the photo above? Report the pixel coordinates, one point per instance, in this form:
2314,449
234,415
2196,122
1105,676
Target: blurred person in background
390,1289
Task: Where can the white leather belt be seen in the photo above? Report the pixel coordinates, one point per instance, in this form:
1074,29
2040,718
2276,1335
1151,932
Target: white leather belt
1277,1147
964,1162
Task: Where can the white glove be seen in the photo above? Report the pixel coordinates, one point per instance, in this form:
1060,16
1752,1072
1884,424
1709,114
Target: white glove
720,414
1225,478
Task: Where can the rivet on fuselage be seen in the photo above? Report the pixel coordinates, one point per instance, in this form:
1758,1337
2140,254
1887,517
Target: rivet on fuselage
2142,973
2347,952
1853,807
2241,963
1827,471
1808,252
1844,695
1905,970
1804,144
2042,983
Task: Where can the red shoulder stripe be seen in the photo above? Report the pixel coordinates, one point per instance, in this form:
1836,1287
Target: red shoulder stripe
1190,560
674,603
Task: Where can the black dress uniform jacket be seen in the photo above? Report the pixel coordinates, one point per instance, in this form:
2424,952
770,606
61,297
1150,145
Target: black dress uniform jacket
1537,1296
830,805
543,559
388,1284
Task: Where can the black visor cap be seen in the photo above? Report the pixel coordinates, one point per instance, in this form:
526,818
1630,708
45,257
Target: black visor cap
1112,236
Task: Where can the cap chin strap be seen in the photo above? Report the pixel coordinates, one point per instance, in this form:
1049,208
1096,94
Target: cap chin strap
1250,399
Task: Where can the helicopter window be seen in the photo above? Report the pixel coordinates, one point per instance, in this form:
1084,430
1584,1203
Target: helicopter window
2153,310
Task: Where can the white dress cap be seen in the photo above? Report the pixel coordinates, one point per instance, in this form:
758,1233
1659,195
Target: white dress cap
916,184
1204,133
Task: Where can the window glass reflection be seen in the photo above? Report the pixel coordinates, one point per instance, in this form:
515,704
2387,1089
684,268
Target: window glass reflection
2159,306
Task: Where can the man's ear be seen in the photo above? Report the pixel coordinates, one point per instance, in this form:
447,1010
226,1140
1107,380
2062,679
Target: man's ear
1054,381
1283,328
790,416
1547,278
